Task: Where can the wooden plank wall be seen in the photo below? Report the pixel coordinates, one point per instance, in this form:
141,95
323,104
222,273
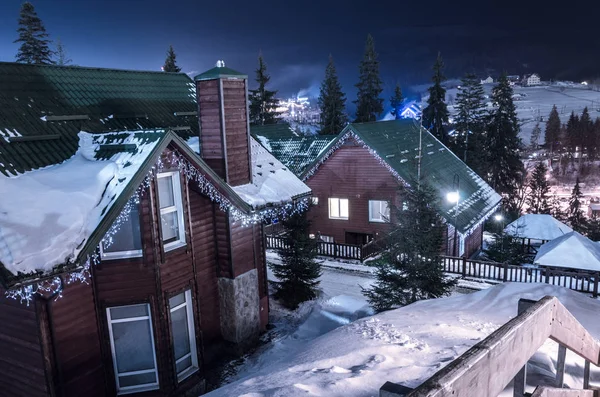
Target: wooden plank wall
22,369
77,342
209,116
242,248
223,242
353,173
474,241
236,130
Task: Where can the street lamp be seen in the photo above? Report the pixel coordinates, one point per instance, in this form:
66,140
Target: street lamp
454,197
500,218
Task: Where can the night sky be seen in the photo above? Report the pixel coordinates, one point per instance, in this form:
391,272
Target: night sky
296,37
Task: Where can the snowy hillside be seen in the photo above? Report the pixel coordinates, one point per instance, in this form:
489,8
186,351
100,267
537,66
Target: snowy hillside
408,345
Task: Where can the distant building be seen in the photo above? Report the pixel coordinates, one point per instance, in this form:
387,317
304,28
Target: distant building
488,80
514,78
411,111
531,80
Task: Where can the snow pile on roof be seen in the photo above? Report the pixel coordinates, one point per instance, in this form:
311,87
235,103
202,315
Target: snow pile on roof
570,250
47,215
272,182
410,344
538,227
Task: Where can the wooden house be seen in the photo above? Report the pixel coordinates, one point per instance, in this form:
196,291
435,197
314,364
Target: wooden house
355,181
131,228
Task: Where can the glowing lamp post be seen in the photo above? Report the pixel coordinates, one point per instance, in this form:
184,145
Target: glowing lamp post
454,197
500,219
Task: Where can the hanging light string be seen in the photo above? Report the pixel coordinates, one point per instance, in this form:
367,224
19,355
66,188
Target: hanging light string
173,159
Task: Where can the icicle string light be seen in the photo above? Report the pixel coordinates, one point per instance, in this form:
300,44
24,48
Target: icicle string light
174,159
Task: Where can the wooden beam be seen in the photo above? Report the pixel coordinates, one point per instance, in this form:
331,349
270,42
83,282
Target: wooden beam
543,391
560,366
568,331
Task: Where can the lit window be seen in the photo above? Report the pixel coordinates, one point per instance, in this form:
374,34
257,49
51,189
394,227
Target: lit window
132,346
327,239
379,211
315,200
184,336
127,241
171,210
338,208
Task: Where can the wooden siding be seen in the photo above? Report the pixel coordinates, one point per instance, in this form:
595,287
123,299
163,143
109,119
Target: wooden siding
352,173
22,366
236,130
242,254
209,117
77,342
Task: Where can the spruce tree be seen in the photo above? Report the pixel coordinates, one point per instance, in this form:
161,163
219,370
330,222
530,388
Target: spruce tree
553,135
35,45
435,114
411,269
586,126
263,103
297,275
396,102
537,199
593,228
61,54
332,102
369,104
535,137
171,62
575,215
573,136
504,166
470,120
556,209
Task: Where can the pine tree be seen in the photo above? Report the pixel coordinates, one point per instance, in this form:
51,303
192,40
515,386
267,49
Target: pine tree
586,126
297,275
535,136
171,62
396,102
263,103
411,269
593,228
61,54
369,104
504,167
332,102
575,215
553,134
556,209
537,199
35,45
435,114
470,120
572,135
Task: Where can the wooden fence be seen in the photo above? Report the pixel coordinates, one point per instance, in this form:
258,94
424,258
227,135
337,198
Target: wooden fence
334,250
575,279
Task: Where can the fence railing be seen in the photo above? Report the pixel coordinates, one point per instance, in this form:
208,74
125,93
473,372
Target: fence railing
334,250
489,366
575,279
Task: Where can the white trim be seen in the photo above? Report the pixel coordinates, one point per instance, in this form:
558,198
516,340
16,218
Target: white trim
193,354
177,207
119,254
135,388
339,206
381,218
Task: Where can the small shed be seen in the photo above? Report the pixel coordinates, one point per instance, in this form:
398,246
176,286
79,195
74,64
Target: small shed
571,250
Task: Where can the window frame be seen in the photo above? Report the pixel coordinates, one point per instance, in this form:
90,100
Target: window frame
177,207
124,254
339,199
132,389
314,200
381,220
188,306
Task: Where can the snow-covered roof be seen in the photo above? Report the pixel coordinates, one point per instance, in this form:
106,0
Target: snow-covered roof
47,215
407,346
537,227
571,250
272,182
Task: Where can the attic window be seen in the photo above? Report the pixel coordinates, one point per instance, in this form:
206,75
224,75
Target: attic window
171,210
127,241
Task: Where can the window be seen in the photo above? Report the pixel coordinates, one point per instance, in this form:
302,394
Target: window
327,239
184,337
315,200
127,241
379,211
132,346
338,208
171,210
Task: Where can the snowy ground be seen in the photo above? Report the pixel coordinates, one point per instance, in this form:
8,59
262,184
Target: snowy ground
405,346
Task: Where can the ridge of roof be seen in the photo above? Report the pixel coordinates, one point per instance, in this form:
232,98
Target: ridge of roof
91,68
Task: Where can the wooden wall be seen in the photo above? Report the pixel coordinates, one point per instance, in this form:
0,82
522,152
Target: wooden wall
22,359
353,173
209,116
76,339
236,130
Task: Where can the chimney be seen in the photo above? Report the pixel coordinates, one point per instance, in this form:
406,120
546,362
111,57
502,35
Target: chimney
222,95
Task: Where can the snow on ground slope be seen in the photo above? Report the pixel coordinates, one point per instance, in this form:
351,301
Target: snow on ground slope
410,344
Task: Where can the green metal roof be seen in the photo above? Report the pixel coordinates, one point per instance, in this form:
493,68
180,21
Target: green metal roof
43,108
396,143
297,152
273,131
218,72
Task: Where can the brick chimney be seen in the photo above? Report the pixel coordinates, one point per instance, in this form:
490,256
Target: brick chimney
222,95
